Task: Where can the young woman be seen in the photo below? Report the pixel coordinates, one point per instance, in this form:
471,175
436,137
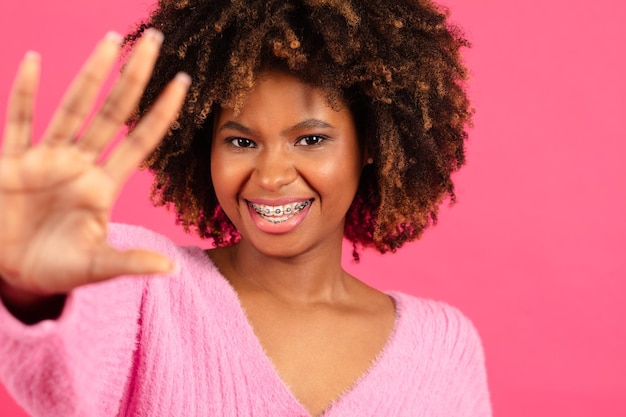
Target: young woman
306,122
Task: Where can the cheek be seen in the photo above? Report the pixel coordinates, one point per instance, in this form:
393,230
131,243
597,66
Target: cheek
216,173
225,180
337,177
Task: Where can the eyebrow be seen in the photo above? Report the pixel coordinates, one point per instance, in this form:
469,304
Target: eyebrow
236,126
305,124
308,124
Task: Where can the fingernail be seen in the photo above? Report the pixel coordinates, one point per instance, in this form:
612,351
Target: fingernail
155,35
174,268
183,78
114,37
32,56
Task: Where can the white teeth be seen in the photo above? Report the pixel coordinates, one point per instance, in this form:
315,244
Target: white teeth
279,214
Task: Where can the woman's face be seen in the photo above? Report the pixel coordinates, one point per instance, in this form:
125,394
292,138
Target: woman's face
286,167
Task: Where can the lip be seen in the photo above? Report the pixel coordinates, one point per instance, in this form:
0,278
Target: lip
278,201
282,227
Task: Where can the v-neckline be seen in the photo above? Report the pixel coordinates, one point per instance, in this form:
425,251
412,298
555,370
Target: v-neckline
253,340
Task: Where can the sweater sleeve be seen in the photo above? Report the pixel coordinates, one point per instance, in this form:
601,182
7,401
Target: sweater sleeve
79,364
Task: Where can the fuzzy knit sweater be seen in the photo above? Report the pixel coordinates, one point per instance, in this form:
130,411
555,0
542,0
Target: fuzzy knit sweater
182,346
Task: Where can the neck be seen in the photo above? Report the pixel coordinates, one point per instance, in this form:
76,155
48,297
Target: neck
312,277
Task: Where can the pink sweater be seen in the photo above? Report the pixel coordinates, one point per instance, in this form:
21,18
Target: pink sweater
182,346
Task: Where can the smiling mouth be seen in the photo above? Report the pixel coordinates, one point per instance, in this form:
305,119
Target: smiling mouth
279,214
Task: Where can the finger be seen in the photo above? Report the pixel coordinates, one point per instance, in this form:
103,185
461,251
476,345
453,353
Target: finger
148,133
83,91
125,95
112,263
19,120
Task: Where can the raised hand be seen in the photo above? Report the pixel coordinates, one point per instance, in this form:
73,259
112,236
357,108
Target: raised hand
56,195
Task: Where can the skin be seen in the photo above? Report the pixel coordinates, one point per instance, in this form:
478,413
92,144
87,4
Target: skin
55,193
320,326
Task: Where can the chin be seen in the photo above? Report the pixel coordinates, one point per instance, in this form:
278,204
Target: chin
285,249
280,250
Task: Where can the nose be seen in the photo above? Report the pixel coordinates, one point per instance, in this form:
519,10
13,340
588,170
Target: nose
274,169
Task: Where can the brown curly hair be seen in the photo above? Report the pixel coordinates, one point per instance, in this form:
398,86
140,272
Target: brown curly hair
396,63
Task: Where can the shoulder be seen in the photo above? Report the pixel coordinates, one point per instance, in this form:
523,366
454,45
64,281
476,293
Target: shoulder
126,236
444,327
423,310
196,277
194,267
446,350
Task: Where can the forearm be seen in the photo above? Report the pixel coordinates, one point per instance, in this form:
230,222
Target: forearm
73,365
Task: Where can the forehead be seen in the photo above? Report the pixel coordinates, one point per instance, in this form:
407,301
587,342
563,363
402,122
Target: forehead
282,94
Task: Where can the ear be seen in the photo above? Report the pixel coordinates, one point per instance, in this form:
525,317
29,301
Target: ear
367,158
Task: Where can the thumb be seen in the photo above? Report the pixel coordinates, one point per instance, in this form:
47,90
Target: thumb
112,263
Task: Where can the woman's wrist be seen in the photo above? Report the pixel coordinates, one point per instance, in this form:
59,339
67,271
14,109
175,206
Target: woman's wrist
29,307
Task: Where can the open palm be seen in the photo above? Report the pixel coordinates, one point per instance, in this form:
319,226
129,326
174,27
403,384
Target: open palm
56,196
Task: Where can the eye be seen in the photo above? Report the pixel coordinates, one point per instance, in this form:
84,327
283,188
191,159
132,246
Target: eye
242,143
310,140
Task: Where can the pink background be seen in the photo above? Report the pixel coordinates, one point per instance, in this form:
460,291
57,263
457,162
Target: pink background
534,252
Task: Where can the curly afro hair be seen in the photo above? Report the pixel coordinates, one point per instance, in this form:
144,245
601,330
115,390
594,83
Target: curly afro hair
396,63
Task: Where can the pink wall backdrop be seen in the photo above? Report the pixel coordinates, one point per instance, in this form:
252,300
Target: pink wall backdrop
534,251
